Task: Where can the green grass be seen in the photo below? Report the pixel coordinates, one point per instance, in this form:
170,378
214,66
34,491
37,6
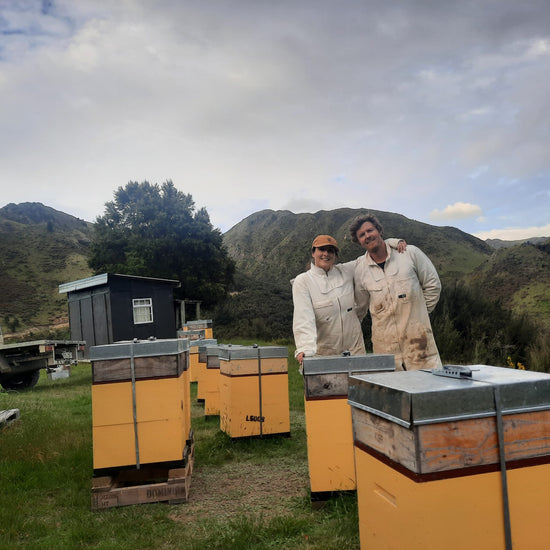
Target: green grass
46,473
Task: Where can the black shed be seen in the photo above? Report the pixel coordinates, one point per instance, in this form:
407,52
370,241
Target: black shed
109,308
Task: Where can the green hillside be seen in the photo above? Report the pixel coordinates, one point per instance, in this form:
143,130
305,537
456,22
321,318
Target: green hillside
40,248
519,276
492,304
275,246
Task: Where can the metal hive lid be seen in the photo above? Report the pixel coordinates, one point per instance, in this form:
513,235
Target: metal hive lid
191,334
419,397
202,342
200,323
229,353
209,346
138,348
333,364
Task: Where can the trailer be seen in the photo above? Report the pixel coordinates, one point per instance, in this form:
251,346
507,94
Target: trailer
20,363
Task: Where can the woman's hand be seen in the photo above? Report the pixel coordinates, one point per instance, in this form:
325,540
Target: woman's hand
401,245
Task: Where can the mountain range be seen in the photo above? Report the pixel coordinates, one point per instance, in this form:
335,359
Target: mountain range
41,248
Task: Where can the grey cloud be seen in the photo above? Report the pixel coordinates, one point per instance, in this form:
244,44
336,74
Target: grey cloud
273,100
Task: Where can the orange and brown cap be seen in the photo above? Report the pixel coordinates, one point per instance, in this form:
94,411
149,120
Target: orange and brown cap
324,240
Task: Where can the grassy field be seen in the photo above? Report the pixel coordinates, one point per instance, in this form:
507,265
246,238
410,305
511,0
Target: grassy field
249,494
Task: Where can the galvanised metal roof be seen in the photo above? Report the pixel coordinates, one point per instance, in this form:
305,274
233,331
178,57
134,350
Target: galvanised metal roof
102,279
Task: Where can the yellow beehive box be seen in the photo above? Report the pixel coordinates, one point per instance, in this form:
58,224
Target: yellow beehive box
194,361
201,324
211,379
141,411
254,391
193,336
456,460
328,418
199,365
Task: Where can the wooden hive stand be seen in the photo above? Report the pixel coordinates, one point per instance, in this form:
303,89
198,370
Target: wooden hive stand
162,482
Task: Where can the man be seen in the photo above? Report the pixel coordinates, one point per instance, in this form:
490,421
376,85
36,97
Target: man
399,290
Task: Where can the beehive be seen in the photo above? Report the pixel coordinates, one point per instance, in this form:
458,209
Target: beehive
197,360
454,462
328,418
254,391
201,324
141,410
210,355
193,336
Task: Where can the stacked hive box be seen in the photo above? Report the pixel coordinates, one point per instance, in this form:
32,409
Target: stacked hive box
201,324
197,360
192,336
452,463
328,418
141,410
198,334
254,391
209,355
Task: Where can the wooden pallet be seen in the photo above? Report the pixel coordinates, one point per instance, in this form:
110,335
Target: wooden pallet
151,483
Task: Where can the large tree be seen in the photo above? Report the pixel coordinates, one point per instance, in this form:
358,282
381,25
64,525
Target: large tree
154,231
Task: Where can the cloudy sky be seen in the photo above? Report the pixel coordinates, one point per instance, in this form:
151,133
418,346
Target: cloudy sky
435,109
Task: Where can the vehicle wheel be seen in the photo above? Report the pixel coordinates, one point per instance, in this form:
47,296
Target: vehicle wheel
21,381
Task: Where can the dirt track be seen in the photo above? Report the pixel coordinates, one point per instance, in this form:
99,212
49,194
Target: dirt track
237,488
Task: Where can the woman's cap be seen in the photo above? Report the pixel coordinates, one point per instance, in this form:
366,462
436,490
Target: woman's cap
324,240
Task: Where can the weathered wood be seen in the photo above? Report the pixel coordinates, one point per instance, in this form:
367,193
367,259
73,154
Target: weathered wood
474,442
246,367
326,385
388,438
155,483
213,362
173,492
102,483
113,370
455,445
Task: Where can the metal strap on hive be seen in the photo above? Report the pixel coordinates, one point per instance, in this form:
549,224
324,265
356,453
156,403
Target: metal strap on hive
134,404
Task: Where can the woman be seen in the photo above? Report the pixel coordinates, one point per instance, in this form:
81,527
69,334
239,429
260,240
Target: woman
325,319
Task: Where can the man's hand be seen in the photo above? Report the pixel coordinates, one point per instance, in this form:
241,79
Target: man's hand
401,245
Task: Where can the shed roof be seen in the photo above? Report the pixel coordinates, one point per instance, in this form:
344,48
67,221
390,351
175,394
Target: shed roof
98,280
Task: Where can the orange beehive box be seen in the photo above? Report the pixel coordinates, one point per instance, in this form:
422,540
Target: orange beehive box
192,336
198,361
328,418
456,460
254,391
141,410
194,361
209,355
201,324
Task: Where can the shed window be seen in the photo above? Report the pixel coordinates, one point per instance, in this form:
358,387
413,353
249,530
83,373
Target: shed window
143,310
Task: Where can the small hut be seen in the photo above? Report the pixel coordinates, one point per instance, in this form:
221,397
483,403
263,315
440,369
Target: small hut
109,308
